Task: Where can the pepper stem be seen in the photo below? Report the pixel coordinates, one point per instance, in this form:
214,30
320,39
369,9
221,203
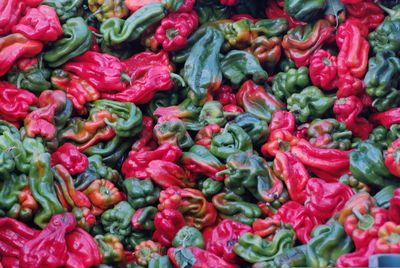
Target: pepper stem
19,80
222,172
391,12
365,222
126,78
73,5
178,78
343,134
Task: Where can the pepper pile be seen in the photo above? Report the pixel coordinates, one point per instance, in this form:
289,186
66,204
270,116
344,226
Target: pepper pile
208,133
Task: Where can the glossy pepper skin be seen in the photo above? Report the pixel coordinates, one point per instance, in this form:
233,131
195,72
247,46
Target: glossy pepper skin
69,156
284,84
254,249
188,236
328,243
301,42
358,258
77,39
116,30
49,248
146,250
200,83
108,9
309,103
329,134
323,70
388,241
255,100
367,162
171,130
367,11
167,223
14,47
10,12
166,174
268,51
30,74
40,24
304,10
143,218
117,220
141,192
65,9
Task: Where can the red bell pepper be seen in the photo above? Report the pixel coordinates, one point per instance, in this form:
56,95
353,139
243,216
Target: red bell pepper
323,70
367,11
238,17
347,111
349,86
166,174
82,250
14,47
394,207
221,239
268,227
14,102
282,120
275,10
10,13
358,258
40,24
386,118
225,95
167,223
175,29
205,135
279,140
103,194
388,238
146,135
392,158
293,173
138,161
70,157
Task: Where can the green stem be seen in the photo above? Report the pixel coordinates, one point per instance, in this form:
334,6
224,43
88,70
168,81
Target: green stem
126,78
365,222
222,172
343,134
178,78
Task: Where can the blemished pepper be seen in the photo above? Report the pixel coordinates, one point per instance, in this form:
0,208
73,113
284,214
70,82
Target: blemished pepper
284,84
305,10
308,104
356,185
111,249
65,9
189,237
140,193
388,238
269,227
367,165
323,70
254,249
327,244
108,9
117,220
77,39
167,223
103,194
255,100
30,74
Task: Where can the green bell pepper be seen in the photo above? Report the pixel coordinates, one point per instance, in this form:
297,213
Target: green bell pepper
254,248
65,9
271,27
204,56
327,244
239,65
284,84
383,197
41,182
76,40
233,139
211,12
117,220
367,165
173,131
212,113
210,187
116,31
256,128
386,36
141,193
10,189
188,237
295,257
309,104
305,10
383,137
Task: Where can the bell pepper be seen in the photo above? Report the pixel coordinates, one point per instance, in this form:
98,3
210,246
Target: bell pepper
111,249
158,261
137,162
30,74
279,140
388,238
308,104
294,257
10,13
117,220
233,139
188,237
65,9
386,118
328,243
108,9
268,51
269,27
82,249
329,134
276,10
200,83
14,47
196,257
304,10
15,102
145,137
254,249
167,223
105,72
69,156
77,40
354,48
40,24
232,206
255,100
212,12
325,199
391,158
166,174
49,248
210,187
221,239
78,90
198,212
383,137
367,11
251,172
347,110
289,169
367,165
200,160
301,42
323,70
269,227
205,135
103,194
174,30
284,84
358,258
116,31
393,212
134,239
257,129
238,65
356,185
172,131
84,218
282,120
141,192
147,250
143,218
386,35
